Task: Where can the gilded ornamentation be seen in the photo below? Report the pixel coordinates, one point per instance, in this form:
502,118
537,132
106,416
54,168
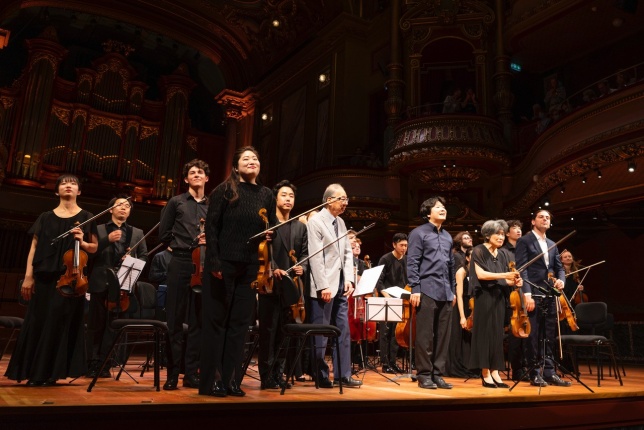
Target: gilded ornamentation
132,124
51,59
115,66
85,77
449,131
81,113
581,166
173,91
148,131
237,105
447,179
114,124
7,102
61,113
118,47
367,214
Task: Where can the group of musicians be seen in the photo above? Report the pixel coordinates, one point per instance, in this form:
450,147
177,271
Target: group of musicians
239,216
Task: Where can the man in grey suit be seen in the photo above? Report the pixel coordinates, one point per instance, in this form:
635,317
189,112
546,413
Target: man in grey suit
331,273
115,238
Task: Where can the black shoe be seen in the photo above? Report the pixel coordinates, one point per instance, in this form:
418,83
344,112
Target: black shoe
388,369
171,383
538,381
234,390
556,380
283,383
487,384
349,382
191,381
440,383
300,378
325,383
269,384
396,368
32,383
426,382
49,383
218,389
501,384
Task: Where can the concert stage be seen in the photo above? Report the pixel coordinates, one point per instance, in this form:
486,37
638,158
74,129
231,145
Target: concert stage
378,404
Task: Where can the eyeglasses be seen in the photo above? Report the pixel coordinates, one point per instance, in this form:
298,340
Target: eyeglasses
341,199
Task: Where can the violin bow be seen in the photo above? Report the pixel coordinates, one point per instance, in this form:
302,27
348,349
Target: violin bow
326,246
529,263
142,239
581,282
276,226
64,235
586,268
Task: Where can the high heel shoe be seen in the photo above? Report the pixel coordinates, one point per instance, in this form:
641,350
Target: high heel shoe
501,384
487,384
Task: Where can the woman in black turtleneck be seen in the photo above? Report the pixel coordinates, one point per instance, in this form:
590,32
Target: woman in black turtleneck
231,265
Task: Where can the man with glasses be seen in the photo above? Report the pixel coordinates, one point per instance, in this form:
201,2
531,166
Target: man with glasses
331,276
430,271
115,238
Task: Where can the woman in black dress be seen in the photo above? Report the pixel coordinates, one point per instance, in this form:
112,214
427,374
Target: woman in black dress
51,344
489,275
231,266
460,339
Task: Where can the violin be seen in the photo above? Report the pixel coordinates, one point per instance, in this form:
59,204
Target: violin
264,282
73,283
298,310
469,322
198,258
565,308
407,327
519,322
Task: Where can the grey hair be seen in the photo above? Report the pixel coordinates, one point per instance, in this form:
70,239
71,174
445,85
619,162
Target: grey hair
330,191
493,226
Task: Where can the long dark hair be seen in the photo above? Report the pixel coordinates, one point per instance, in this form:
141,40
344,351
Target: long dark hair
232,181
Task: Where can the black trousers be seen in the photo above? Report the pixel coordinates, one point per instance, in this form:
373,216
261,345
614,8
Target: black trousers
228,310
182,306
533,348
271,319
432,336
388,343
99,335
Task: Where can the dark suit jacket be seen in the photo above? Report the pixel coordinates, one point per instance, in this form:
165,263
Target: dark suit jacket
106,255
528,248
298,243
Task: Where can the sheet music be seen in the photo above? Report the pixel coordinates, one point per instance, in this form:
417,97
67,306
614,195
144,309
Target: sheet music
129,272
368,281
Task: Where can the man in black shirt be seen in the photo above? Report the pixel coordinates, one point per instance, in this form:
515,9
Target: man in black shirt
180,229
115,238
274,310
394,274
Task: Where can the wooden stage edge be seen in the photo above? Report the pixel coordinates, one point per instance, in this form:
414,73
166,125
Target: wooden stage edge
378,404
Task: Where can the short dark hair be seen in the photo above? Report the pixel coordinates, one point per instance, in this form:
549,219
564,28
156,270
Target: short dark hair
428,204
398,237
200,164
514,223
67,177
535,213
121,196
282,184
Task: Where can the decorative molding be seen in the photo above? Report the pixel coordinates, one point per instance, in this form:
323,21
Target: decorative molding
7,102
132,124
448,179
191,141
237,105
62,114
173,91
50,58
79,113
148,131
114,124
116,66
561,175
368,214
117,47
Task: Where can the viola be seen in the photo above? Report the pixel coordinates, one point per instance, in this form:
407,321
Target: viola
519,322
122,302
565,308
298,310
469,322
198,258
73,283
407,327
264,282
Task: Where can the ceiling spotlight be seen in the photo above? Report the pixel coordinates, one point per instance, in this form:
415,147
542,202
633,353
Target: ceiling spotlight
264,116
276,23
563,189
323,77
631,166
453,163
583,179
599,174
444,164
572,218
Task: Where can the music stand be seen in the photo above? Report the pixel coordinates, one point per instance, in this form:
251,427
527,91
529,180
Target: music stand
384,309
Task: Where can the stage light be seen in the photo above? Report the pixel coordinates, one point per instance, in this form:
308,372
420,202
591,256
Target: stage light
583,179
599,174
444,164
276,23
563,189
631,166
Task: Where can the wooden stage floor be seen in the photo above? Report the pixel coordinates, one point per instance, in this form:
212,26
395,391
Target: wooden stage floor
378,404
